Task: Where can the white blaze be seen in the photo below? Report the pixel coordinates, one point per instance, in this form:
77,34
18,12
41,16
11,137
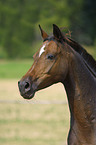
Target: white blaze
42,50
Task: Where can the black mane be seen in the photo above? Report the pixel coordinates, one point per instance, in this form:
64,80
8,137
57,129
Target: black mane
89,60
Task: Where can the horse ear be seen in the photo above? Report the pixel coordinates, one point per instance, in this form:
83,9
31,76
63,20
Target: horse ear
43,33
57,33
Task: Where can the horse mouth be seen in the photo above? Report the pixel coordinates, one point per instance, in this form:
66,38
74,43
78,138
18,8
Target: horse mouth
28,95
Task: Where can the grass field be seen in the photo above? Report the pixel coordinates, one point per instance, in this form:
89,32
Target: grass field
10,69
33,124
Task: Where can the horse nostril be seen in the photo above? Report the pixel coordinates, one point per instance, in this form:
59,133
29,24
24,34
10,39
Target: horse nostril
18,83
24,86
27,85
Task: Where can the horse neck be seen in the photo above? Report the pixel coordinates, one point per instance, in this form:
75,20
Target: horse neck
80,86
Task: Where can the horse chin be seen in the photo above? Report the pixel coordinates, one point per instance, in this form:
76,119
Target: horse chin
28,95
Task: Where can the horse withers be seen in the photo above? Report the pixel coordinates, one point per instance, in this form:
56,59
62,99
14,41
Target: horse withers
61,59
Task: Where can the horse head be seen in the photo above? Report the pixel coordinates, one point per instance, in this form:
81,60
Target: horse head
50,64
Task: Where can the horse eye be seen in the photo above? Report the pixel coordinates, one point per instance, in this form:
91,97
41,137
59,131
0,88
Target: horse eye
50,56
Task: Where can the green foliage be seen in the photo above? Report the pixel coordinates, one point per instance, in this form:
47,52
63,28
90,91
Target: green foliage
19,21
89,14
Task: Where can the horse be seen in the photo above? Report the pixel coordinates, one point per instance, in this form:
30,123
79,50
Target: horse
61,59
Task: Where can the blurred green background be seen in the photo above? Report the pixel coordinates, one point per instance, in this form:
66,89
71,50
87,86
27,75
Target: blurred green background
23,123
19,19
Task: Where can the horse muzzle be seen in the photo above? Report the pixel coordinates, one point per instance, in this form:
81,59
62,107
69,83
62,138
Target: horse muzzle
27,88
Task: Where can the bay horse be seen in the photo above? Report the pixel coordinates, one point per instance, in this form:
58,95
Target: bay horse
61,59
